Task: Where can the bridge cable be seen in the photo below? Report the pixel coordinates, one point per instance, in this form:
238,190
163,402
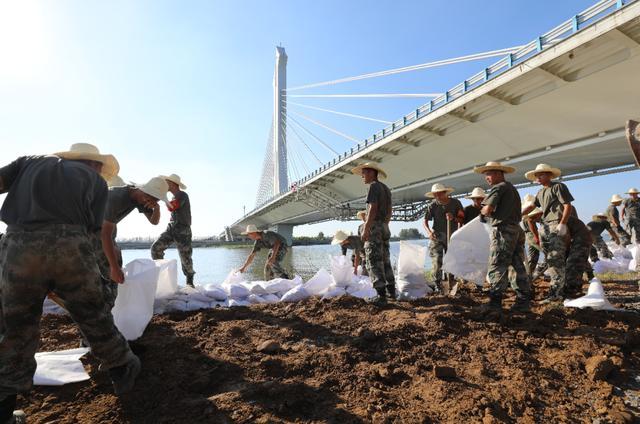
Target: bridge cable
328,128
367,96
301,140
443,62
351,115
315,137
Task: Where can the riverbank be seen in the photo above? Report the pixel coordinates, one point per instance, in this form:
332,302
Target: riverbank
343,360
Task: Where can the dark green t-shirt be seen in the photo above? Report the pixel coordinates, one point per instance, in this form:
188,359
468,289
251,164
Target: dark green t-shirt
268,241
354,243
470,213
597,227
506,202
182,215
552,200
120,204
380,195
437,212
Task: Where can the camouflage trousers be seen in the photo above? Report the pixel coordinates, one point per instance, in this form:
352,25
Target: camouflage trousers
58,259
554,247
533,257
624,237
109,287
633,226
437,248
506,249
363,262
276,269
376,250
181,236
577,262
599,247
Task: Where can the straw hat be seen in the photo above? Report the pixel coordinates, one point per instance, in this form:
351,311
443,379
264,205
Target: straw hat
616,199
156,187
599,217
251,229
339,237
633,190
494,166
437,188
477,193
116,181
542,167
361,214
535,212
369,165
86,151
174,178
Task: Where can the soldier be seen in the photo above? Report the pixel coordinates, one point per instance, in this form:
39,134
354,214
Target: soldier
598,224
179,228
121,202
577,262
631,213
614,218
447,215
278,249
376,234
503,209
532,238
350,242
555,200
473,210
52,205
362,215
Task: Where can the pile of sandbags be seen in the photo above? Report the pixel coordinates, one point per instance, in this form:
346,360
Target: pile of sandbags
622,262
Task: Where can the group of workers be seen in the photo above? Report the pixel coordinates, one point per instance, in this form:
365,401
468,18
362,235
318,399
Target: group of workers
62,212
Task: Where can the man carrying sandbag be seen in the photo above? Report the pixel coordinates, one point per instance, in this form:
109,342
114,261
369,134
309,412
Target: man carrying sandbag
376,234
179,228
599,248
447,215
502,208
347,242
121,202
277,246
52,205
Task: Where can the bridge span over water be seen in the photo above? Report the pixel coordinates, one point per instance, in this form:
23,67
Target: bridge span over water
562,99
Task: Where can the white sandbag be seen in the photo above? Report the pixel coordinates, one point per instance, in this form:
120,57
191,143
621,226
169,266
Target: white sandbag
366,293
635,254
413,294
615,265
468,253
595,298
279,285
51,307
133,308
235,290
160,306
411,277
341,270
255,287
296,294
620,252
59,368
254,298
176,305
319,283
195,305
233,303
333,292
234,276
270,298
167,277
194,294
215,292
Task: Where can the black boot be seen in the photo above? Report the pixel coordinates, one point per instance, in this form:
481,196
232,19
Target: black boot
190,280
380,299
391,292
7,413
124,376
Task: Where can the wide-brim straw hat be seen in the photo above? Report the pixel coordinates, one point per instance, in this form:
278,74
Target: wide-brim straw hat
116,181
494,166
369,165
542,167
477,193
339,237
438,188
616,199
535,212
599,217
251,229
633,190
175,178
86,151
156,187
361,214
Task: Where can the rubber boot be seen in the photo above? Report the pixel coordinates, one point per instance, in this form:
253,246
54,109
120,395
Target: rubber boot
380,299
124,376
190,280
391,292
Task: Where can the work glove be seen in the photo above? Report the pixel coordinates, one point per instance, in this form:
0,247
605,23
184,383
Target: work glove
561,229
173,205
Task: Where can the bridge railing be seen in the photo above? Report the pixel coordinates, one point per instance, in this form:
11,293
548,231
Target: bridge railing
568,28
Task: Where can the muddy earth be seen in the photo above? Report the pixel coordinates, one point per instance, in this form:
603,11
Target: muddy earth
344,361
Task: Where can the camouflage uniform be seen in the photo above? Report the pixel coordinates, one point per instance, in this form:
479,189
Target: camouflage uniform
536,268
437,211
555,251
355,243
378,258
437,247
268,241
614,219
578,255
109,287
632,215
599,249
181,235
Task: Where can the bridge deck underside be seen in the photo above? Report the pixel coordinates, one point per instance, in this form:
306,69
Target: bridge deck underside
566,107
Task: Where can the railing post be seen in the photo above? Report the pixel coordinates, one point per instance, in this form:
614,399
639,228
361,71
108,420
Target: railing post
510,60
539,44
404,120
464,86
574,23
486,74
619,4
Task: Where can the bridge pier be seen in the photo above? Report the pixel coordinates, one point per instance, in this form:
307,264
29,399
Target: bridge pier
285,230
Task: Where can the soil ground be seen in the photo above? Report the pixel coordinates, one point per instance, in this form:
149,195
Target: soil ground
345,361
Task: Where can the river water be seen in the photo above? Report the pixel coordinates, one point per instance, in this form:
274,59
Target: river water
212,264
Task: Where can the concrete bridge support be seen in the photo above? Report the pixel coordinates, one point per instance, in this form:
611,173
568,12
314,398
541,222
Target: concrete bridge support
285,230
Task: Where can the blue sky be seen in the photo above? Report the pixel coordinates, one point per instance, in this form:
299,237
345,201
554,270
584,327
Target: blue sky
186,87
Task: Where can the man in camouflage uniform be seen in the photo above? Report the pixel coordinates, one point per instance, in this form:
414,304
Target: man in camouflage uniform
502,208
376,234
179,228
122,201
555,201
614,218
447,215
362,215
577,263
278,249
596,226
347,242
52,205
631,213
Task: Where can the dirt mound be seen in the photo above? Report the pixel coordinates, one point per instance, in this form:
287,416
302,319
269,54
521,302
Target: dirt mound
346,361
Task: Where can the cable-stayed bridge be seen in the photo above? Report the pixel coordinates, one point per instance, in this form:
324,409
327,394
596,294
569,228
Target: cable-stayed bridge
562,98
